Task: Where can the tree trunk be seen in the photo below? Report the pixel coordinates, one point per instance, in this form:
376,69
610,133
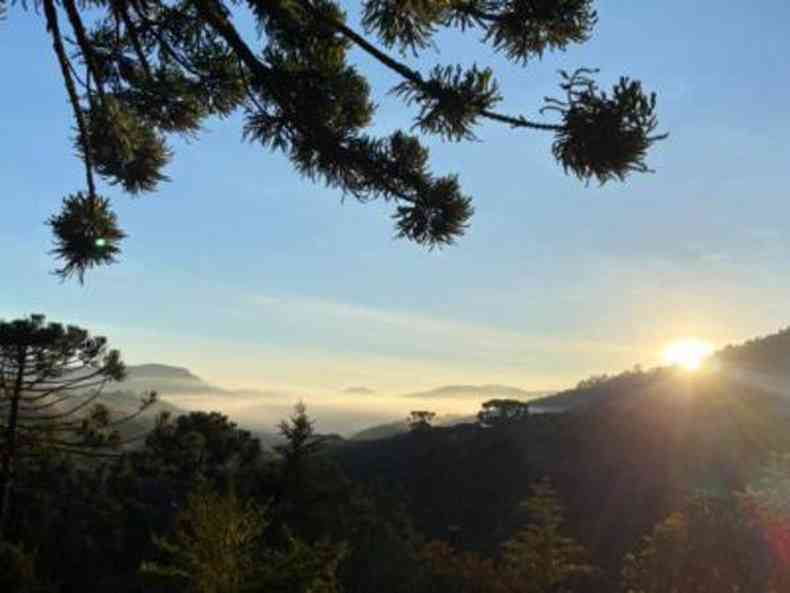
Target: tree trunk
8,468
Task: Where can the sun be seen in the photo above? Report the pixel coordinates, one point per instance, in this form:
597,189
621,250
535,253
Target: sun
689,353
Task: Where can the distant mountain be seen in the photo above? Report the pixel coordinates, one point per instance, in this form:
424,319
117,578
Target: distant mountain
180,391
162,371
169,381
381,431
173,382
478,392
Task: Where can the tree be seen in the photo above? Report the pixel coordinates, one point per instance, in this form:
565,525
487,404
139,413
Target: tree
593,381
462,572
218,546
540,558
214,546
497,412
709,547
302,486
137,71
420,420
450,570
51,377
204,444
765,503
300,439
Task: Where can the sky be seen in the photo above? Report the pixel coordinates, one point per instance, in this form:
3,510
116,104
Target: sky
253,277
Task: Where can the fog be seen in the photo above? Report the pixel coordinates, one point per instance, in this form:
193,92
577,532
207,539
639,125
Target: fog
343,414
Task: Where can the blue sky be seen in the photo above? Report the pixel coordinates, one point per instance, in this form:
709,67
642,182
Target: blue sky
252,276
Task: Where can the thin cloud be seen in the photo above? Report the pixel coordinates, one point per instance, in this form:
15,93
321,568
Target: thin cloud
359,390
416,328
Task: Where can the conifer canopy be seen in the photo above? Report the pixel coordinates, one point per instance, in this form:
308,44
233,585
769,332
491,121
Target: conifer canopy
139,71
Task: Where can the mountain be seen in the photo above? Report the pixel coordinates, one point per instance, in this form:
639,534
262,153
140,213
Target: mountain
180,391
477,392
174,382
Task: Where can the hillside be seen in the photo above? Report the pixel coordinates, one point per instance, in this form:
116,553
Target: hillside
597,390
391,429
433,398
620,463
762,361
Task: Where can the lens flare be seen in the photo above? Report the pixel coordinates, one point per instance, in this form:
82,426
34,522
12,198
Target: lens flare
688,354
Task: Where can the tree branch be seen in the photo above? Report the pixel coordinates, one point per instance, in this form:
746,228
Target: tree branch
414,76
57,44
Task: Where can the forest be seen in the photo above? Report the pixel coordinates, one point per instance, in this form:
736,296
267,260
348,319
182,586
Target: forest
652,481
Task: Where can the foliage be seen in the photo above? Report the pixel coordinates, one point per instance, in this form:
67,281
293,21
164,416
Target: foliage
769,494
214,547
382,543
464,572
603,137
502,411
540,557
299,434
420,420
537,559
711,546
51,377
197,445
300,568
592,381
307,490
218,547
137,72
86,234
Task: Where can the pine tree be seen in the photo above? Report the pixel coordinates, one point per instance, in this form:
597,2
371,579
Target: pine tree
51,378
214,546
541,558
138,71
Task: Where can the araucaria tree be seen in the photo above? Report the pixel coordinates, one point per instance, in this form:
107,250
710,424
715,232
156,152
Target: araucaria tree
497,412
51,377
136,71
420,420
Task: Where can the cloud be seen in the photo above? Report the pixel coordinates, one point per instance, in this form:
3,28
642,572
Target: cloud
359,390
420,332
